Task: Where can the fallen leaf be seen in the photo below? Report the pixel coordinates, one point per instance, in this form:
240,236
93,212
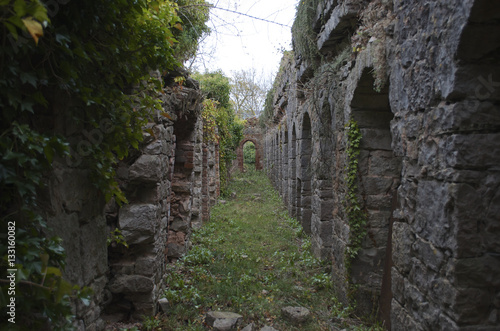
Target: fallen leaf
34,28
167,116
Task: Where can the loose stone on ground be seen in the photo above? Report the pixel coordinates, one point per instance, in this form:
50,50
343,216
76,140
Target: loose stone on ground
223,321
296,315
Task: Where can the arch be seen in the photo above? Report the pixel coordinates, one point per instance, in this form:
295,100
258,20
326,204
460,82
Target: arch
258,153
277,161
292,177
285,171
379,173
304,172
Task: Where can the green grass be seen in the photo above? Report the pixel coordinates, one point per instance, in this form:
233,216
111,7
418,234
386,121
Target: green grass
253,259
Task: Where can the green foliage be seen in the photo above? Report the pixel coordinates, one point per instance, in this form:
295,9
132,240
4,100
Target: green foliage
74,89
303,32
117,237
150,323
198,255
216,86
220,122
249,153
42,296
266,116
254,260
194,15
354,209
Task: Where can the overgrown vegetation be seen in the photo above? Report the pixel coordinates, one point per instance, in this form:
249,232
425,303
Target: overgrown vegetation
252,259
375,19
354,209
267,114
81,63
220,121
249,155
303,31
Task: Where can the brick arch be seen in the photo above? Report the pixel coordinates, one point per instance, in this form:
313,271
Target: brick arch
258,152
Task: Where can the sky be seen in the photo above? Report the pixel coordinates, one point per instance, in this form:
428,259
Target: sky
240,42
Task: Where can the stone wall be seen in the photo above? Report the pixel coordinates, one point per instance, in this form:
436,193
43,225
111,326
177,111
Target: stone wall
164,183
428,176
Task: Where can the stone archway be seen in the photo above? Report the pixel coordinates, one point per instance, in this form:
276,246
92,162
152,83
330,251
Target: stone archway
258,153
253,133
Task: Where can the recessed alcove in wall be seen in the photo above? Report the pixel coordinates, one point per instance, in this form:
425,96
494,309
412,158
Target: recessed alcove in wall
378,178
293,173
304,148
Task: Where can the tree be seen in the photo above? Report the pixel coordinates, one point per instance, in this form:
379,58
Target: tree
194,15
248,93
220,120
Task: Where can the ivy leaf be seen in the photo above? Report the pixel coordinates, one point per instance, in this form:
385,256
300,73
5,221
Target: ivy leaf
49,153
34,28
28,78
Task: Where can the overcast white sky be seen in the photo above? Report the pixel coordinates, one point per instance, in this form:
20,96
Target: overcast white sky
240,42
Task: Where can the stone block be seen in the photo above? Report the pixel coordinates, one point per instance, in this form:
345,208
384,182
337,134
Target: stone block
425,251
378,219
131,284
67,227
143,309
93,248
472,150
472,314
175,250
223,321
376,237
138,223
467,115
384,163
373,119
432,215
374,139
402,241
146,169
375,185
322,230
157,147
181,187
381,202
296,315
479,272
402,320
179,226
146,266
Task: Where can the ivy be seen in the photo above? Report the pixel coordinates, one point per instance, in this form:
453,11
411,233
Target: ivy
220,121
354,210
76,89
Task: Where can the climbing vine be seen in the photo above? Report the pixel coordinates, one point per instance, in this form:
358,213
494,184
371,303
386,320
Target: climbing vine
219,120
354,209
75,89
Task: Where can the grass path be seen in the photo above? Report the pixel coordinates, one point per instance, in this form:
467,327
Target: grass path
251,259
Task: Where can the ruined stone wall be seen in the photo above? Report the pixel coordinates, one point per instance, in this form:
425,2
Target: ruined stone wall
428,176
163,182
251,132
